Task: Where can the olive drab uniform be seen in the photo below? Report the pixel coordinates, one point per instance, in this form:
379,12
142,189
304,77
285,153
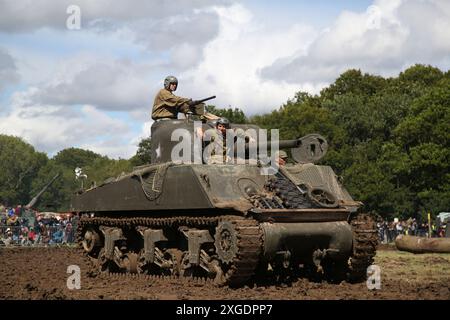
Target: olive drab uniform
167,105
218,151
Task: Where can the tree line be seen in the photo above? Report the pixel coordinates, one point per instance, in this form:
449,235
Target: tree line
388,141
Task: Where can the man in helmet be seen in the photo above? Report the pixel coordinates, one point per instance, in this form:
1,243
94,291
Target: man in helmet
217,149
167,105
281,158
222,125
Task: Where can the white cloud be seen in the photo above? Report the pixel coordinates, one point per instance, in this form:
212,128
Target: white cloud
406,33
51,128
232,62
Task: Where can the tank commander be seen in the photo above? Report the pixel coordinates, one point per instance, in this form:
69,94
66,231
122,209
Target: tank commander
167,105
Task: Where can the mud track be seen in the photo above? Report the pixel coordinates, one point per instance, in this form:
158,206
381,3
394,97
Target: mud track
41,273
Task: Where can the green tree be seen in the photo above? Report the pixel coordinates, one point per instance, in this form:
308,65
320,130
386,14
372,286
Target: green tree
143,153
388,137
235,115
20,164
75,157
57,196
353,82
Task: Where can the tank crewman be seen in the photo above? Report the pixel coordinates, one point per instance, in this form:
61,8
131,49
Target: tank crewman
218,146
167,105
281,158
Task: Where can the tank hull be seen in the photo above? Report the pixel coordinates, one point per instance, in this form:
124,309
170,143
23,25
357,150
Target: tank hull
229,223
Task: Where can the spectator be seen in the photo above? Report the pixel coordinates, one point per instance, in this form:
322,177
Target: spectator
58,236
18,211
399,228
69,233
8,237
31,236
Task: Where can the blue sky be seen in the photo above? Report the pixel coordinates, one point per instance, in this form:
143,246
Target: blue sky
93,88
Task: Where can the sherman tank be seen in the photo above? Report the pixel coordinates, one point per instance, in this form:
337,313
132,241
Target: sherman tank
229,222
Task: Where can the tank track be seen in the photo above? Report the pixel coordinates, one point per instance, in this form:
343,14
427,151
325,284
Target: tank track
365,240
241,269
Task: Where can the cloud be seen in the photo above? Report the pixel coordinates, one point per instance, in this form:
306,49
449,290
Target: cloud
162,34
230,68
388,37
53,128
8,70
178,28
101,100
74,109
232,62
108,84
28,15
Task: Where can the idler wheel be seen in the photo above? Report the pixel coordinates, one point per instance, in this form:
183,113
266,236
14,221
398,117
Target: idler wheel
91,240
225,241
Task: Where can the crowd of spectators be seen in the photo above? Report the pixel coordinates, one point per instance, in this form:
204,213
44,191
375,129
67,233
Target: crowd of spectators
23,226
20,226
389,230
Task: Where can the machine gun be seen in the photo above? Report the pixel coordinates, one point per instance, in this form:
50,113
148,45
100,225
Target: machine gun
196,102
192,105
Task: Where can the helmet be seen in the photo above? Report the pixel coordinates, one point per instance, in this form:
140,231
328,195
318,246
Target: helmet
223,121
282,154
169,80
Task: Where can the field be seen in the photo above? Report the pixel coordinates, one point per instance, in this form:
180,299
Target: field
41,273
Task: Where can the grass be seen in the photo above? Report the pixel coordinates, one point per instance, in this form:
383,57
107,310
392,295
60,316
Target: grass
414,267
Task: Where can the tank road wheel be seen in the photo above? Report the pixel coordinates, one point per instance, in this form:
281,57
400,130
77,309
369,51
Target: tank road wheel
187,269
130,262
173,256
238,245
166,263
365,240
335,271
91,241
104,264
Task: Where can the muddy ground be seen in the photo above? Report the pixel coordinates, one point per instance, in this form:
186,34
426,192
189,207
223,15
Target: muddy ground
41,273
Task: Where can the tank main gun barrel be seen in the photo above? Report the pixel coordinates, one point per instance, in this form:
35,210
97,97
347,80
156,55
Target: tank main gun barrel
36,198
282,144
308,149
